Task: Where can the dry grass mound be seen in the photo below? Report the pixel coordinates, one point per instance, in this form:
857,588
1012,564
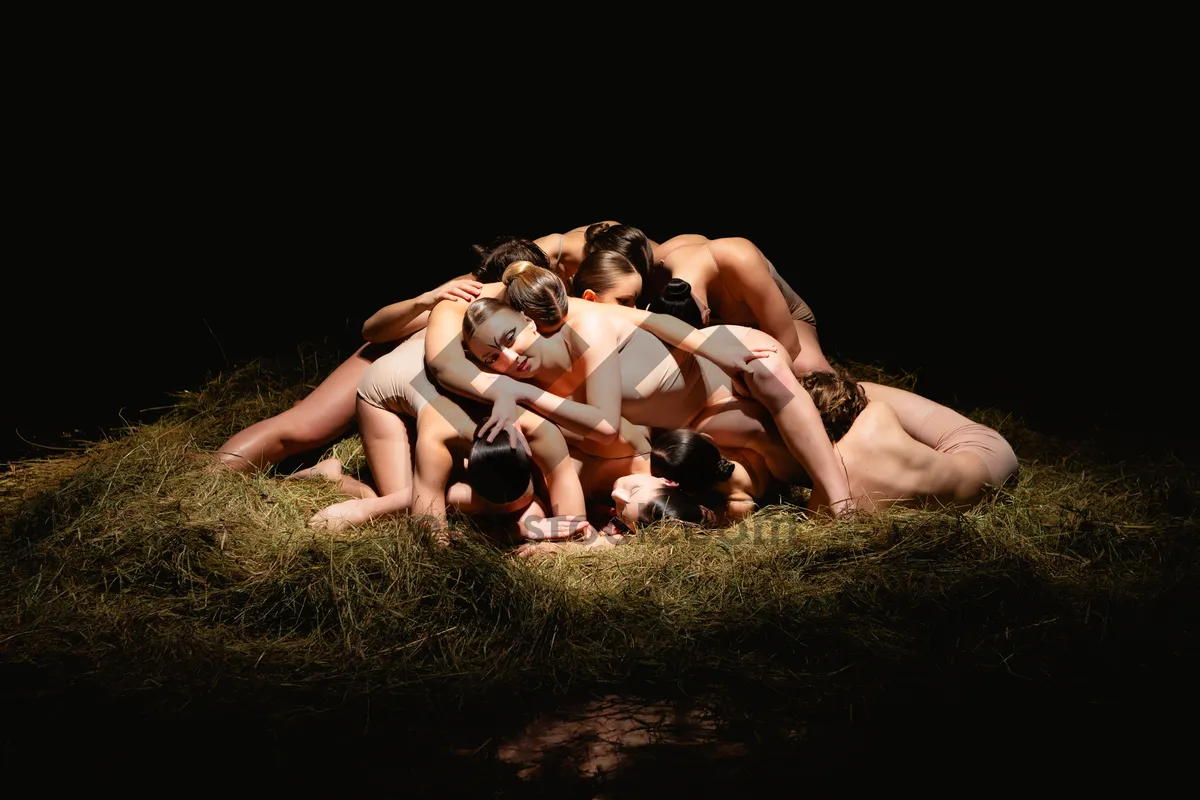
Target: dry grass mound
132,567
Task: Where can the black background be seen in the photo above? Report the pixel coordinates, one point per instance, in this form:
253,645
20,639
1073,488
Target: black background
1006,225
1005,219
1025,269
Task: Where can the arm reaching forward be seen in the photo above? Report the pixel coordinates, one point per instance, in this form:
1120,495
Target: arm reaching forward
401,319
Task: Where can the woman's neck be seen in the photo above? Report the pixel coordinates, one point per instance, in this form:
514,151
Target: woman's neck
553,357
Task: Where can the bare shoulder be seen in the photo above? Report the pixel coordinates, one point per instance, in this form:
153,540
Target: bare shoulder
586,316
669,246
537,427
736,252
689,255
877,414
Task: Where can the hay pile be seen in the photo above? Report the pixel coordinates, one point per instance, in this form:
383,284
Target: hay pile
131,567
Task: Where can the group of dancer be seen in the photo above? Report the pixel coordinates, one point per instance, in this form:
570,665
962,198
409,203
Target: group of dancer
579,386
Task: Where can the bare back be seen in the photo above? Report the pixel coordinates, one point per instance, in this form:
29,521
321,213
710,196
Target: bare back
947,431
665,249
730,294
696,264
888,467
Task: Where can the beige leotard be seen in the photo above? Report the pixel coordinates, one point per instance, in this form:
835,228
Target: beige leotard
799,308
398,381
662,387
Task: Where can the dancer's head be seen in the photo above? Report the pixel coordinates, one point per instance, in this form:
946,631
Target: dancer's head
624,239
501,339
491,260
838,398
498,472
689,459
678,301
606,276
537,292
643,499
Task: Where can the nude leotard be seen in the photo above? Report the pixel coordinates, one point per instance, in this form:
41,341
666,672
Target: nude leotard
398,381
799,308
662,387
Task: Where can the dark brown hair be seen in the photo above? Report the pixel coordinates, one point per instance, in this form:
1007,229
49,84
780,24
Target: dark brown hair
689,459
839,399
491,260
478,312
624,239
536,292
600,271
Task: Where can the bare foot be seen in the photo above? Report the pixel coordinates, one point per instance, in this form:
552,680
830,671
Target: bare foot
340,516
543,549
330,469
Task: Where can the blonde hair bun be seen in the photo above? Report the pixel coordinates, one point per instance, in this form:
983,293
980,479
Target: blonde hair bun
514,269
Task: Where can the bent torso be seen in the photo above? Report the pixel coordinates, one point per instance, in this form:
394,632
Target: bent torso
887,467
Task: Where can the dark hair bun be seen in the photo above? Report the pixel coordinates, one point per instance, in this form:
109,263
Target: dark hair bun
677,289
724,469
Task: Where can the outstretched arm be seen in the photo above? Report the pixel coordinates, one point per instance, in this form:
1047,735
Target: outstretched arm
401,319
726,351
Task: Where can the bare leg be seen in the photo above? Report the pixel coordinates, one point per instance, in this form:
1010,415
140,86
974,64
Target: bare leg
811,358
330,469
314,422
389,455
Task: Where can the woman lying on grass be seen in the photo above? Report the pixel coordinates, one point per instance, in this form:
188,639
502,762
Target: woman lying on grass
898,448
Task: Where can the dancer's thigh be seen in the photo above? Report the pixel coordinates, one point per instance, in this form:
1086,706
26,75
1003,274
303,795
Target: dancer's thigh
385,437
330,408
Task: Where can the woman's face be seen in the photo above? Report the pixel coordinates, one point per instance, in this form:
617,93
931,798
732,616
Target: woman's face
507,343
632,492
623,293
